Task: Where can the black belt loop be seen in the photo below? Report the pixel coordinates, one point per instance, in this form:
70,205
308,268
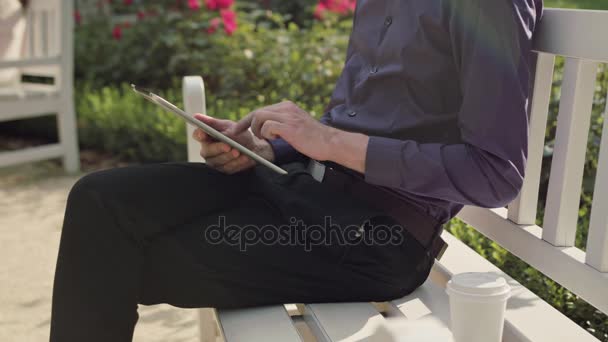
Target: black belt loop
425,229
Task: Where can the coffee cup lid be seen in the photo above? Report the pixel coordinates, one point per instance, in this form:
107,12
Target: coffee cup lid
479,284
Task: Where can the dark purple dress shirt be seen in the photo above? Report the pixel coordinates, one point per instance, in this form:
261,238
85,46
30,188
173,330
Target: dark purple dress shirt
442,89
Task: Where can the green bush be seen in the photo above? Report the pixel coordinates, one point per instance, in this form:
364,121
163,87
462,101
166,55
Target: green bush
254,67
299,12
118,120
158,49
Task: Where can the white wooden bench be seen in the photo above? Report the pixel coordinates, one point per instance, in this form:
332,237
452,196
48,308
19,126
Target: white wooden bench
581,37
48,52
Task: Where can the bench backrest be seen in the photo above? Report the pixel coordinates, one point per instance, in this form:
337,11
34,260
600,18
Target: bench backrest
580,37
43,34
48,41
45,19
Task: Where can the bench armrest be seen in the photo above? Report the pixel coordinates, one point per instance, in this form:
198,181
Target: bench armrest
194,102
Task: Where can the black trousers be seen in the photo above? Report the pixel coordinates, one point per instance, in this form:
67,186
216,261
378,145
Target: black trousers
157,234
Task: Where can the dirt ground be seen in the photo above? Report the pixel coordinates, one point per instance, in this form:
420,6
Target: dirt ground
32,203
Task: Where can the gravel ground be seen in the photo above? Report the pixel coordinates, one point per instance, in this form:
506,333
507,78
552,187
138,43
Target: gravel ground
32,203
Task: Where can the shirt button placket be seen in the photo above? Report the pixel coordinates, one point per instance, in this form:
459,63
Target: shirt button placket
387,23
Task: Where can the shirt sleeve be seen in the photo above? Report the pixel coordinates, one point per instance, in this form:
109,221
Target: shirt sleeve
492,51
285,153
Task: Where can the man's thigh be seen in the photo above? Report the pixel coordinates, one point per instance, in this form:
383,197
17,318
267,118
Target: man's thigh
189,267
149,199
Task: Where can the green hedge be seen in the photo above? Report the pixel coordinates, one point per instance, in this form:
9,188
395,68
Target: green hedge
256,66
119,121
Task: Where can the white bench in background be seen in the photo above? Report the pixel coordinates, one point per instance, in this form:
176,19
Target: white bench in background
48,52
580,36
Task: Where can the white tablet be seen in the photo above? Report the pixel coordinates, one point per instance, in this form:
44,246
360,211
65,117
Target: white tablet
148,95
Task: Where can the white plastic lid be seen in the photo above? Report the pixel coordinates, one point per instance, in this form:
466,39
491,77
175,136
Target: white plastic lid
479,284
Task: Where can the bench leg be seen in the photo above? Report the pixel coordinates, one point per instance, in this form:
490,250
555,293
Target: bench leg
207,324
68,137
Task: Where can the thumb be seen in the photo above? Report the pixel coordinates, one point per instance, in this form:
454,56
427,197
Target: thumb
218,124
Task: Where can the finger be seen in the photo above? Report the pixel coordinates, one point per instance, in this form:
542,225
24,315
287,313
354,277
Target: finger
280,106
200,135
272,130
242,125
220,160
260,119
218,124
239,164
210,150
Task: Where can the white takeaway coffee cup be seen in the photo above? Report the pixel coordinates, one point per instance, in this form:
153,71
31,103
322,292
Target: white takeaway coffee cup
477,306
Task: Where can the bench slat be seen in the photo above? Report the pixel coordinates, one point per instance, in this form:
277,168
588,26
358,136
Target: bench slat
561,30
528,316
263,324
341,321
523,209
429,300
31,154
564,265
574,119
597,241
426,308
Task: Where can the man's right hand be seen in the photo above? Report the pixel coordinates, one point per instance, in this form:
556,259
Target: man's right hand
221,156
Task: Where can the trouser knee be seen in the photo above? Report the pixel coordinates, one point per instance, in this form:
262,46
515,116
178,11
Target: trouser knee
85,192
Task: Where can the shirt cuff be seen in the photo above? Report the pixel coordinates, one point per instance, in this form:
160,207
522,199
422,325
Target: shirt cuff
284,153
382,162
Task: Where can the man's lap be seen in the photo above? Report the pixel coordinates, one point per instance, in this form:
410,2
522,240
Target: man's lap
171,207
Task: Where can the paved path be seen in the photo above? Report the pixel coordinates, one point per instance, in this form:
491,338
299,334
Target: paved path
32,202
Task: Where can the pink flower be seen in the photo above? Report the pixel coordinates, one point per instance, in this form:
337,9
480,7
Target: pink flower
320,10
194,5
213,25
218,4
141,15
77,17
117,32
229,18
128,2
336,6
223,4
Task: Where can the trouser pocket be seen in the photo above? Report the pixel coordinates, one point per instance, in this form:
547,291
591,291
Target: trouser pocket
388,254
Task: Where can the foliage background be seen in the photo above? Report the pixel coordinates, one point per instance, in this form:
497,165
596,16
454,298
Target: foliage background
278,52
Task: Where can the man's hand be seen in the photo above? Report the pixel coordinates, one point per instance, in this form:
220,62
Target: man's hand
307,135
290,122
221,156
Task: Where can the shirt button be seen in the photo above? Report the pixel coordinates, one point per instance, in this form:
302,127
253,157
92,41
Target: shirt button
352,113
388,21
373,69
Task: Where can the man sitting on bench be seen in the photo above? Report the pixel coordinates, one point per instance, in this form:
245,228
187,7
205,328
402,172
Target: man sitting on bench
429,114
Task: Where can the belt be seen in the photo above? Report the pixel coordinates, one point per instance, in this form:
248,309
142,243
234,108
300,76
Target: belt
425,229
